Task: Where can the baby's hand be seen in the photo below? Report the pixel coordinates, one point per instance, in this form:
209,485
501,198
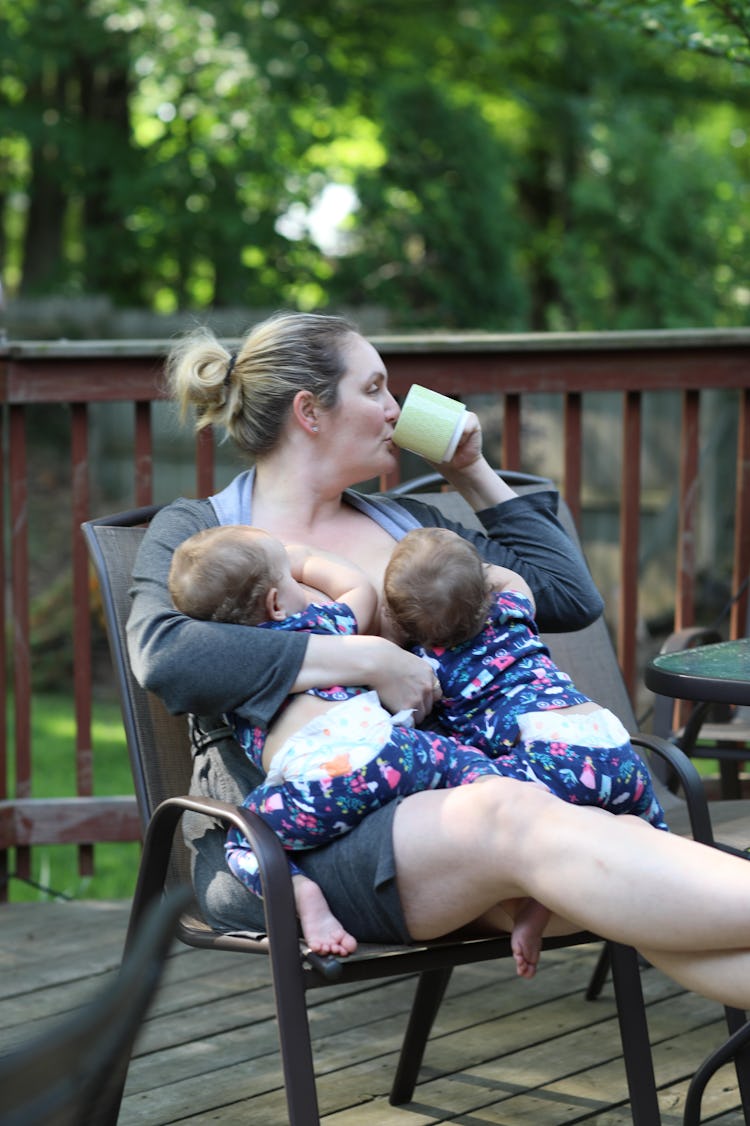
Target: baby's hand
298,554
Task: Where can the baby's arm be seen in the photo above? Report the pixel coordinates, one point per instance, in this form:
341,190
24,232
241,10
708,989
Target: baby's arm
337,579
502,578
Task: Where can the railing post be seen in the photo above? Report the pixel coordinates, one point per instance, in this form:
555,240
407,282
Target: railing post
79,449
573,454
20,616
630,521
688,506
741,567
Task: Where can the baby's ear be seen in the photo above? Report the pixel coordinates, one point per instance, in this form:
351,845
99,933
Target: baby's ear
274,609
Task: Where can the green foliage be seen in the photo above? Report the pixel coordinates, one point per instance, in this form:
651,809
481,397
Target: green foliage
442,202
567,164
719,29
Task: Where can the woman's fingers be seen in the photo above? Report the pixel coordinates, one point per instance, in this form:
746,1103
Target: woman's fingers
406,682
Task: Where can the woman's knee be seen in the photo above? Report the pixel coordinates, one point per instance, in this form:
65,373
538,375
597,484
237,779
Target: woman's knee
499,801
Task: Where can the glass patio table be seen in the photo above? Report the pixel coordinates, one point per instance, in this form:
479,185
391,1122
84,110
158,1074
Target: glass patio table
718,674
707,674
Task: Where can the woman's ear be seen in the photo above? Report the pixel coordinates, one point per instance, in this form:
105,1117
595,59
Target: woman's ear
306,411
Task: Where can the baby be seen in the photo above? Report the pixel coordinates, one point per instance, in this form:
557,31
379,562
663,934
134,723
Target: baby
501,691
332,754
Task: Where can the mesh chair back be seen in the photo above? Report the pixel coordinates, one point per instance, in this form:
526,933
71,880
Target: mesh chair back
148,724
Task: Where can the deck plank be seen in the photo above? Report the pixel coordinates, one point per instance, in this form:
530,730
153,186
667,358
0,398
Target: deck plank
503,1051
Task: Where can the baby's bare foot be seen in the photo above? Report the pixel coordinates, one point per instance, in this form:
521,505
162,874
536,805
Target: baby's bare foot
526,937
322,931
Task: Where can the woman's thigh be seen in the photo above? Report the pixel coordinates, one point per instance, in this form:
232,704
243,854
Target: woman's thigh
457,851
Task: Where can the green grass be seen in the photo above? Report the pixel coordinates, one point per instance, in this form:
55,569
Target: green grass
55,867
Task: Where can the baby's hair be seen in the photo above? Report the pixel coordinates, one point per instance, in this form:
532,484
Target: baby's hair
222,575
436,588
248,392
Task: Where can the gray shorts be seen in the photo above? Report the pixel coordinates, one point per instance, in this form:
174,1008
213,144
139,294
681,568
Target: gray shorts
356,872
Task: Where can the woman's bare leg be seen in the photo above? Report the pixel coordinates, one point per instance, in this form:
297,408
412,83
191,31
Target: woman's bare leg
681,903
721,975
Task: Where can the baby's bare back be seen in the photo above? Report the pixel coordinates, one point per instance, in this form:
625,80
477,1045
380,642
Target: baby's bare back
299,711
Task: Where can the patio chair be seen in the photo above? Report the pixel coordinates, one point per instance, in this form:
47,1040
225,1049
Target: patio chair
160,759
73,1074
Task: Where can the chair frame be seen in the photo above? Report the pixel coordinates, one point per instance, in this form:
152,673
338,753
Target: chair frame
294,970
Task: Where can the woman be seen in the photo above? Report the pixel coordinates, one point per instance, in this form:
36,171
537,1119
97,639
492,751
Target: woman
307,398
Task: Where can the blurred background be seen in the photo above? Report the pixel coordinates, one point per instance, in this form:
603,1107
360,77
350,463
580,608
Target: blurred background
467,164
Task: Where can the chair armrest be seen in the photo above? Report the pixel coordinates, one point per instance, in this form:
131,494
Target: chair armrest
273,864
690,780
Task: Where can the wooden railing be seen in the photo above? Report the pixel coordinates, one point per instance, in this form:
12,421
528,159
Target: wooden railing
507,369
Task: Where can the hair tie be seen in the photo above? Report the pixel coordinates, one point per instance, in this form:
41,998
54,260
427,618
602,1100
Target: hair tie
230,368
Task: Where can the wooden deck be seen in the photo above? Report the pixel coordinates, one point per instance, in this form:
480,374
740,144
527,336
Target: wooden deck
503,1051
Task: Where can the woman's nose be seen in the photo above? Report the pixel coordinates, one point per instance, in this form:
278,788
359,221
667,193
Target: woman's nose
392,409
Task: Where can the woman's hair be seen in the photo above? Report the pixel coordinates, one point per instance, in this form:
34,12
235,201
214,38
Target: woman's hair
436,588
222,575
248,393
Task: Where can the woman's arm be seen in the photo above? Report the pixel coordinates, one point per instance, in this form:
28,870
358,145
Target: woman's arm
211,667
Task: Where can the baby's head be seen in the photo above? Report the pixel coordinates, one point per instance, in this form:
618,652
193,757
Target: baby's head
436,589
224,574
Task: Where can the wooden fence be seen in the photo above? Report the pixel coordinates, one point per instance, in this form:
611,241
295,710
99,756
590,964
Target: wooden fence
505,373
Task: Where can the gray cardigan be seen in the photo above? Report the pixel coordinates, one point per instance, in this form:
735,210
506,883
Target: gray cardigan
210,667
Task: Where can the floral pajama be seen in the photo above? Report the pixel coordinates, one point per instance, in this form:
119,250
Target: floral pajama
334,787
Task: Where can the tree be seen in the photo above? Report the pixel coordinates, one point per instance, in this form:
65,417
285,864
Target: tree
508,166
68,96
719,29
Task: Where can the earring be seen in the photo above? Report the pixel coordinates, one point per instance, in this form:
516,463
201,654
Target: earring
315,429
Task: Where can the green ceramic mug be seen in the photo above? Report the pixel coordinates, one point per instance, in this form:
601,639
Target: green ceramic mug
430,424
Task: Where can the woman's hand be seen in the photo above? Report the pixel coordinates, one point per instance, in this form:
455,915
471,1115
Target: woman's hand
471,474
469,448
405,681
402,680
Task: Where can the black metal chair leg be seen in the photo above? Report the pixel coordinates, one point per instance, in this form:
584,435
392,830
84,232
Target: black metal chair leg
636,1047
739,1028
427,1000
737,1045
599,974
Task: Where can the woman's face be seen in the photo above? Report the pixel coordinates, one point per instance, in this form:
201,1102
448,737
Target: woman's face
360,427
